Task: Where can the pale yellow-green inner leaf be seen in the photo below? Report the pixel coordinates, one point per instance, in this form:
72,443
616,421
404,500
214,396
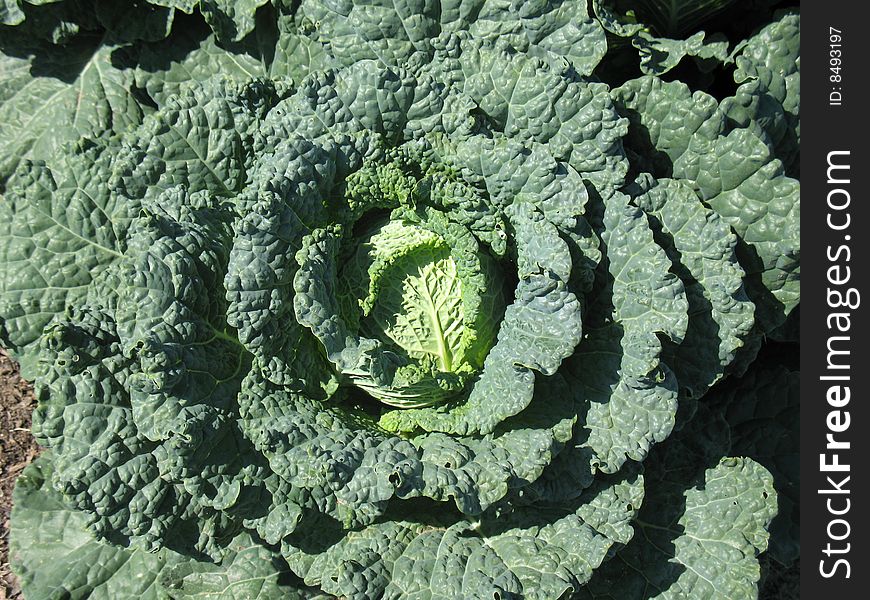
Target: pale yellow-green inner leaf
420,306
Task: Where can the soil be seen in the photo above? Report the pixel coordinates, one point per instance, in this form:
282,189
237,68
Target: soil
17,449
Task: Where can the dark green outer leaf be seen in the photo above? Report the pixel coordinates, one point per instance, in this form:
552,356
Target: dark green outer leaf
684,135
52,554
58,95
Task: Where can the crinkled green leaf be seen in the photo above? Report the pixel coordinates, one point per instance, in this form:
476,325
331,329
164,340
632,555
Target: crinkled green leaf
704,521
11,13
387,31
169,149
508,170
665,117
535,101
430,554
773,57
276,49
563,28
59,95
230,20
768,97
137,405
391,32
660,55
742,182
618,369
664,33
261,265
60,228
735,173
696,538
342,465
52,552
701,247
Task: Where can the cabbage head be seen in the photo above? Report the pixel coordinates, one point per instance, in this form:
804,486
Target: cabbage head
409,326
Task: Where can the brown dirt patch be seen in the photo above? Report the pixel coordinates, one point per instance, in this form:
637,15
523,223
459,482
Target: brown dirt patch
17,449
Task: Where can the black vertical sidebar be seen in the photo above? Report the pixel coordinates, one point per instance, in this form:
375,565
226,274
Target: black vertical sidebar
835,338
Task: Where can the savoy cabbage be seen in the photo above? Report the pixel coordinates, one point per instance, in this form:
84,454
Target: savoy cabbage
402,300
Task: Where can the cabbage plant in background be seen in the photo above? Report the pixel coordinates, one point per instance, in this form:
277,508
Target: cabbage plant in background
481,299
